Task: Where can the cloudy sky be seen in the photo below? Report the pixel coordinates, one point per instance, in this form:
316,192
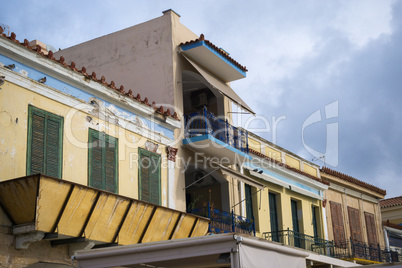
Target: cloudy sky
325,77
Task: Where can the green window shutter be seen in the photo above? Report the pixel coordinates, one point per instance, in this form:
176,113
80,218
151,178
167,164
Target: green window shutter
37,156
273,216
53,150
110,165
154,179
45,143
149,176
315,220
102,161
249,201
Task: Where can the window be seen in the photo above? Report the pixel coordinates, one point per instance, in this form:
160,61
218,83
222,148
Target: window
273,216
102,161
296,223
315,213
45,143
149,176
249,202
371,230
337,223
354,222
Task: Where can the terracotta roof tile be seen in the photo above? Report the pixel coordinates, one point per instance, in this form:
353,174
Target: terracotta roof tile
391,202
279,163
73,67
352,180
217,49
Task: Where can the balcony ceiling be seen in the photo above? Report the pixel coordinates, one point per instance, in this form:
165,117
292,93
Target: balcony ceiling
71,210
203,54
220,151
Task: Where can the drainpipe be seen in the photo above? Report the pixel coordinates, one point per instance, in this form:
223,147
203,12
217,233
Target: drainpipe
386,240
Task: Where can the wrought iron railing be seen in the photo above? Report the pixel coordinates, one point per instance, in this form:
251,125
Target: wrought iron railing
360,250
225,222
341,250
204,122
300,240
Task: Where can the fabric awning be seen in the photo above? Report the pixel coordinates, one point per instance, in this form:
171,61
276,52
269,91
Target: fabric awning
239,176
221,86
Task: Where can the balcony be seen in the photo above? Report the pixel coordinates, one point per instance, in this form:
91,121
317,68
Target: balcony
300,240
206,133
364,253
225,222
346,250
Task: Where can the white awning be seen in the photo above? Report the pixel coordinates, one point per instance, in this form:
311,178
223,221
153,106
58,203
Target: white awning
241,177
294,188
221,86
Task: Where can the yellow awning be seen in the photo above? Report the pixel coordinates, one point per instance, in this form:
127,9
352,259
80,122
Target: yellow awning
221,86
71,210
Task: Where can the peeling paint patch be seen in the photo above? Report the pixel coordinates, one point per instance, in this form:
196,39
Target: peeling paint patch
13,152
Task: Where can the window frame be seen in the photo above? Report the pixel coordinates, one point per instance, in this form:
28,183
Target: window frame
103,137
48,116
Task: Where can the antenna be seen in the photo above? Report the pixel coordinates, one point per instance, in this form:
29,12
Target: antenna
321,158
50,48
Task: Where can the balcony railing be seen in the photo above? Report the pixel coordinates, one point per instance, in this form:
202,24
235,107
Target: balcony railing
225,222
343,250
204,122
300,240
360,250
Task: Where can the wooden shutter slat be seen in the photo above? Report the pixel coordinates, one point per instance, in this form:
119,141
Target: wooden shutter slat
53,162
110,165
371,229
149,170
103,161
96,179
38,143
354,223
45,142
337,223
154,179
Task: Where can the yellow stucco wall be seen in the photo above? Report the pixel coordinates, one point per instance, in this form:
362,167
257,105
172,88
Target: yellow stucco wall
291,161
355,202
284,197
14,101
255,145
273,153
309,169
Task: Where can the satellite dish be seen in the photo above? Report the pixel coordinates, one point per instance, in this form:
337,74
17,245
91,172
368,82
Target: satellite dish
51,48
6,29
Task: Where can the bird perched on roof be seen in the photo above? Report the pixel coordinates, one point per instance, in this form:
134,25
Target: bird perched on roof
42,80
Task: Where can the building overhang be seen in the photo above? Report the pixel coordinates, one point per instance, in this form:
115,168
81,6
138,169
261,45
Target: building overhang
220,151
208,57
64,211
221,86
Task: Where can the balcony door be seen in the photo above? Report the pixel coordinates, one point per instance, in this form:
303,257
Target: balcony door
295,224
273,214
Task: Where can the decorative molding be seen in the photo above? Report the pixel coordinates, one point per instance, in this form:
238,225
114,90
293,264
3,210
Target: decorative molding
150,146
171,153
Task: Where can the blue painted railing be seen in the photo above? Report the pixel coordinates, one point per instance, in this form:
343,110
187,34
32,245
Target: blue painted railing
225,222
204,122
